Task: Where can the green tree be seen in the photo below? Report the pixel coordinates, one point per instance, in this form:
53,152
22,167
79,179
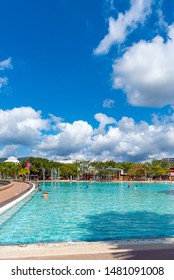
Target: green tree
137,171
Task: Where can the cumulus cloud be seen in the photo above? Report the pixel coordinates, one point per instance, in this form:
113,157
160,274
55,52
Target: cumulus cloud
133,141
103,120
24,129
145,72
21,126
123,140
108,103
70,139
125,23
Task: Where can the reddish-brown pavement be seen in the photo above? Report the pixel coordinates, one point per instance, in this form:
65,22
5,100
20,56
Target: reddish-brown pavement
16,190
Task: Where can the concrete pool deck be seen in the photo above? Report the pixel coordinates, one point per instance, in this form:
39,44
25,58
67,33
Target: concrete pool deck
150,249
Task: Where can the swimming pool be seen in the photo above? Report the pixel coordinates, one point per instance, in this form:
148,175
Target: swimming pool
90,212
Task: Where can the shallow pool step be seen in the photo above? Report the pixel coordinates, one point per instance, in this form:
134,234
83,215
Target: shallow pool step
9,213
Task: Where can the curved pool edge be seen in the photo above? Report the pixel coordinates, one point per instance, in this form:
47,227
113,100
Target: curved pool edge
15,201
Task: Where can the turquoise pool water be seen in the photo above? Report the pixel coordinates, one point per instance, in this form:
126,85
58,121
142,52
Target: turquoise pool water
91,212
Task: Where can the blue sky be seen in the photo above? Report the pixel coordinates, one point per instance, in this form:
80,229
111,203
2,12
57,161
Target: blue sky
87,79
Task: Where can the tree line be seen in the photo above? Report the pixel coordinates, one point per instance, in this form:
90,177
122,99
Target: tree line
81,169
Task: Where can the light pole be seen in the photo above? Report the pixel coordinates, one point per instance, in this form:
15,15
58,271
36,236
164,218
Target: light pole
43,176
43,173
58,173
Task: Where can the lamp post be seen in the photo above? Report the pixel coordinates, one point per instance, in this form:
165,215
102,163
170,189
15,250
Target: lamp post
43,173
58,173
53,174
43,176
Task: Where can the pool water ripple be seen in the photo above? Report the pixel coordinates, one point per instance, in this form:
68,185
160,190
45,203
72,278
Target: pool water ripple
101,211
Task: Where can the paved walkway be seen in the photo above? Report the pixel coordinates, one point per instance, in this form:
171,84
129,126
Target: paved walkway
8,195
117,255
156,250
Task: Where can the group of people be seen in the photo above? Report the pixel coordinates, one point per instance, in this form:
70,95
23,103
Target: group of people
135,187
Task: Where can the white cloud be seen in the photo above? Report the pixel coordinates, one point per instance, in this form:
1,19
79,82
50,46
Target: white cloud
3,82
8,151
20,126
103,120
69,140
161,18
108,103
161,21
109,4
24,129
125,23
145,72
55,121
6,64
134,141
123,140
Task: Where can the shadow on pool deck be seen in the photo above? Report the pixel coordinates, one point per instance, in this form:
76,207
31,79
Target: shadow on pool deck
156,254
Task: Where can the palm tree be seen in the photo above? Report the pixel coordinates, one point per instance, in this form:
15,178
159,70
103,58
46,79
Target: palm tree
24,172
